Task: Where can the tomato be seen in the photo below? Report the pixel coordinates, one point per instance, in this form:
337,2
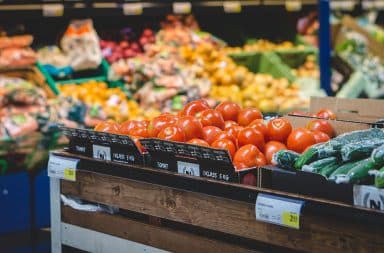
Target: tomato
247,115
250,135
172,133
229,110
108,127
199,142
191,126
234,130
326,114
258,124
279,129
229,123
138,143
321,125
320,136
211,117
126,126
210,133
225,135
300,139
271,148
160,122
248,156
249,179
225,144
194,107
139,130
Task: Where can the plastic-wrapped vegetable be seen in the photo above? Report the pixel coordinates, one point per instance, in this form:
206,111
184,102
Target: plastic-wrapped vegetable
360,150
379,177
342,170
318,166
359,172
285,158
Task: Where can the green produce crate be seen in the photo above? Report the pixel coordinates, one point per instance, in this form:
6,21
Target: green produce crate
294,58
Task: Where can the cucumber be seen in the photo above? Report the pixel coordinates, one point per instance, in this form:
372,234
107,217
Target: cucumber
342,170
329,169
357,151
317,166
333,147
359,172
379,177
285,158
378,155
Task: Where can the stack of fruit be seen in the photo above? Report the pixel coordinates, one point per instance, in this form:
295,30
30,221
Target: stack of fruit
250,141
262,46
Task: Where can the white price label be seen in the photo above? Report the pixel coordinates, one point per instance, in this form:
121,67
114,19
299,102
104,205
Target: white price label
182,7
278,210
343,5
53,10
62,167
232,6
368,196
133,9
101,152
293,5
191,169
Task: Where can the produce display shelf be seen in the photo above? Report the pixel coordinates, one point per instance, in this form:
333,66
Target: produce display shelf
197,215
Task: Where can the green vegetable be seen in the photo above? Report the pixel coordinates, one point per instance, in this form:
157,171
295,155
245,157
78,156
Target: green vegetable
333,147
379,177
285,158
343,170
378,155
329,169
317,166
359,172
357,151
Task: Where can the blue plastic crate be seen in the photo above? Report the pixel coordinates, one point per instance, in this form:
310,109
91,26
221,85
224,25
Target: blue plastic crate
42,202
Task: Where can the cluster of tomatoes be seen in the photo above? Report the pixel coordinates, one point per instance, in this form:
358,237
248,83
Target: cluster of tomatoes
249,140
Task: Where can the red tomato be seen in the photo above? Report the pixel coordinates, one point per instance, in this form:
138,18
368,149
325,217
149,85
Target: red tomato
321,125
252,136
248,156
160,122
320,136
225,135
249,179
108,127
279,129
229,110
191,126
211,117
199,142
172,133
326,114
229,123
271,148
126,126
225,144
139,130
300,139
234,130
247,115
258,124
210,133
194,107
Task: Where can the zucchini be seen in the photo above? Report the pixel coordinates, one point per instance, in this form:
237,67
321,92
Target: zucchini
317,166
379,177
285,158
359,172
378,155
342,170
360,150
333,147
329,169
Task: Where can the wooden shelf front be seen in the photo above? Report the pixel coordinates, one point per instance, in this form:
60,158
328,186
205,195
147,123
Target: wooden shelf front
318,232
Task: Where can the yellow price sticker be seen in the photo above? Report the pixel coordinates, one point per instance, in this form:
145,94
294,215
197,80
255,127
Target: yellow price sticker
70,174
290,219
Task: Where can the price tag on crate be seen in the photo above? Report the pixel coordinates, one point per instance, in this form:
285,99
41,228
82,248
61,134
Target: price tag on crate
368,196
186,168
232,6
133,9
293,5
53,10
101,152
62,167
278,210
182,7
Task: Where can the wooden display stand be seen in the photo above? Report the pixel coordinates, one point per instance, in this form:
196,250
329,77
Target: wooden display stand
162,211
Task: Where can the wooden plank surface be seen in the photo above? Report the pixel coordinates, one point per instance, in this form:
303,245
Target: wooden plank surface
317,233
155,236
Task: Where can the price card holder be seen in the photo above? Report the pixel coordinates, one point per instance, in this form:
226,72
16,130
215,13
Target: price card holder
186,168
182,7
133,9
232,6
62,167
101,152
278,210
53,10
293,5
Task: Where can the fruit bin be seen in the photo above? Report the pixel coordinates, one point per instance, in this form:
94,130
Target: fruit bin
181,213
